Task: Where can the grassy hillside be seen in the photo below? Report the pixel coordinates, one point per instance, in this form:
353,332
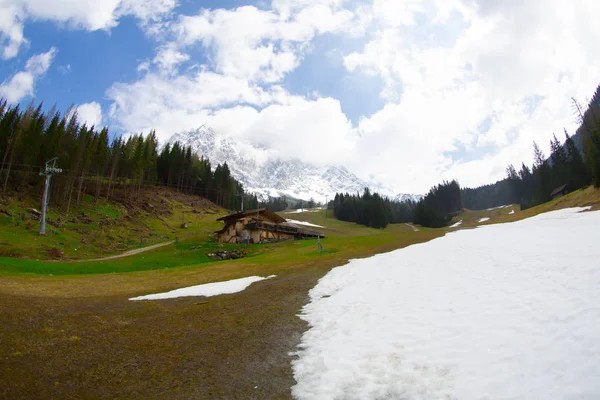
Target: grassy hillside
471,218
343,240
102,228
580,198
589,196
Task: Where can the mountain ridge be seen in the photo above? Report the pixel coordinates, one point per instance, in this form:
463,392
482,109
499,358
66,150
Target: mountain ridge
264,173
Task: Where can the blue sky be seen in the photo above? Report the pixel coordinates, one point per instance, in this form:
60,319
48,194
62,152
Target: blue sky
86,64
435,89
89,62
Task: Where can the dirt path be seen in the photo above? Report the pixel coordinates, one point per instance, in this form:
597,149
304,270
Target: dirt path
127,253
414,228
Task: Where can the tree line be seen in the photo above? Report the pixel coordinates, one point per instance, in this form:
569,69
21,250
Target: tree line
377,211
277,204
589,132
574,162
565,166
439,205
371,209
532,186
274,204
94,164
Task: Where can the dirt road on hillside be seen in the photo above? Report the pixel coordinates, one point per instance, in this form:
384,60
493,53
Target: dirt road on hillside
125,254
414,228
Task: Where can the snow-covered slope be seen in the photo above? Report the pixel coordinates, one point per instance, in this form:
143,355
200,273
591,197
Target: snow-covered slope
507,311
262,172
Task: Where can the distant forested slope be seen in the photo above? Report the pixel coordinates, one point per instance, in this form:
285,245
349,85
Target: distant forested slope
94,164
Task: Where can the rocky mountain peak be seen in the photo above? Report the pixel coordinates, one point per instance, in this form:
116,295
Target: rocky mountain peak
267,175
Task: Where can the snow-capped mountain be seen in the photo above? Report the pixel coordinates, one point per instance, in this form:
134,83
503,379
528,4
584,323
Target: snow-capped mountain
262,172
403,197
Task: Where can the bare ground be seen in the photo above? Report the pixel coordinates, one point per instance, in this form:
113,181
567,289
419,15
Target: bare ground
234,346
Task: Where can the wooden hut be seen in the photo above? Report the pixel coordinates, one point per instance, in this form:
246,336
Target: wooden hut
559,192
259,226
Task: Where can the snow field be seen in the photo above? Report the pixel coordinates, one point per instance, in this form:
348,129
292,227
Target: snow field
456,225
207,289
305,210
484,219
293,221
509,311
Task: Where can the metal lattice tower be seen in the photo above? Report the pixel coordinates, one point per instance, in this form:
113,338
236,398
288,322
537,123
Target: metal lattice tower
48,172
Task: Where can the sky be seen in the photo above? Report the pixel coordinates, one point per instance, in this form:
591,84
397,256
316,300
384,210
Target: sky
403,92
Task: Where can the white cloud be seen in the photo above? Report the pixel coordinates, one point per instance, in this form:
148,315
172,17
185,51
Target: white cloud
397,13
88,15
22,84
174,103
468,85
238,91
315,131
168,58
90,114
440,92
146,10
11,30
259,45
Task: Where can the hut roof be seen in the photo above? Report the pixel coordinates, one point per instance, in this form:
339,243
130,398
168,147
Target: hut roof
270,215
558,190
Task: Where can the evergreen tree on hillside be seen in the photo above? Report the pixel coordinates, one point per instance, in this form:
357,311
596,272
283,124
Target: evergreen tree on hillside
426,215
272,203
441,203
542,175
577,173
371,209
590,130
93,164
559,167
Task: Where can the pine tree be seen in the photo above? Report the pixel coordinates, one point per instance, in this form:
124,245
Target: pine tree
559,162
577,173
590,130
542,175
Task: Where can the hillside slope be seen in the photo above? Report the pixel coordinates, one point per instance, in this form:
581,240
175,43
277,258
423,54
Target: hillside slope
106,227
511,212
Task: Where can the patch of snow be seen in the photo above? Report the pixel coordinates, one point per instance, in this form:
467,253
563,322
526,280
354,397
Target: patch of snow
498,208
207,289
484,219
456,225
304,210
506,312
293,221
511,212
